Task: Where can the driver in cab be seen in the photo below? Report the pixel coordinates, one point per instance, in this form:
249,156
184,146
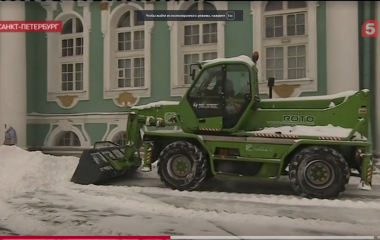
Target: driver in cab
217,89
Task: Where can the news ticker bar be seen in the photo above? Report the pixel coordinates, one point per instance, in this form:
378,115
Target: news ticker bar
142,15
200,237
277,237
190,15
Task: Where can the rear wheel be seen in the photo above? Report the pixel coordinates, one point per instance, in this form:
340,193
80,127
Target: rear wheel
319,172
182,166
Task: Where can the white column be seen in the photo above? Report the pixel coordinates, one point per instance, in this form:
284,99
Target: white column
13,73
377,90
342,46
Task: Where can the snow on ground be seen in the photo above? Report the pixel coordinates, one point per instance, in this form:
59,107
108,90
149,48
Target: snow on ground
37,198
30,171
156,104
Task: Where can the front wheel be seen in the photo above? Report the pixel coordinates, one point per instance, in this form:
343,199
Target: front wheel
182,166
319,172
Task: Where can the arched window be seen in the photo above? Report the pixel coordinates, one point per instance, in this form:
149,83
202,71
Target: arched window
199,41
71,60
285,40
130,51
119,138
66,139
68,63
126,51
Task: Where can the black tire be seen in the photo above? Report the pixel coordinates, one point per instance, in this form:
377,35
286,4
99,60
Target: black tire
196,159
330,161
209,175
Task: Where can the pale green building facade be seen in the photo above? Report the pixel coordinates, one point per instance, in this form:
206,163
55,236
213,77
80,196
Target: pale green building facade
81,82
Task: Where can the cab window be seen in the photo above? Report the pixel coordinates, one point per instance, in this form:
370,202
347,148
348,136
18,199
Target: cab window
206,80
236,85
240,78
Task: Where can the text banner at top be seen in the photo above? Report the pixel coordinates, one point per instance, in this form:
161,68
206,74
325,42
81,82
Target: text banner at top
190,15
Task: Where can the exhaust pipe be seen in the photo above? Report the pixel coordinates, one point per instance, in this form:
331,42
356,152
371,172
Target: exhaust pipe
270,85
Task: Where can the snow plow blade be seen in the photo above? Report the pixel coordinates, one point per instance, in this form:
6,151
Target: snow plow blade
94,165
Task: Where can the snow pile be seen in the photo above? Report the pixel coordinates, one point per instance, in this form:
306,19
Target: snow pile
332,105
325,131
156,104
22,171
345,94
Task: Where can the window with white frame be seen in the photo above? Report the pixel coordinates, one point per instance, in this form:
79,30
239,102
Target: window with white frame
66,139
130,51
285,40
119,138
71,60
199,41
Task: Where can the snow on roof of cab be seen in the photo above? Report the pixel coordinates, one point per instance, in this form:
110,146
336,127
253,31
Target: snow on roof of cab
156,104
324,97
241,58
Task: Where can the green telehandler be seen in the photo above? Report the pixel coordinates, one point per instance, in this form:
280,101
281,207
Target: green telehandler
221,128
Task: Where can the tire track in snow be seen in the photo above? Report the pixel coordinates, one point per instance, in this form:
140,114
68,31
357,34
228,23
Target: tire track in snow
12,217
262,209
6,232
73,211
57,212
281,188
247,218
241,206
254,198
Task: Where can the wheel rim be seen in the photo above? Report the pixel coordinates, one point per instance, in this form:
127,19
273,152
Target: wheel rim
179,167
319,174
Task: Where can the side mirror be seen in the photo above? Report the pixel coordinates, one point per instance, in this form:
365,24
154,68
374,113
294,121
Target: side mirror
192,74
193,68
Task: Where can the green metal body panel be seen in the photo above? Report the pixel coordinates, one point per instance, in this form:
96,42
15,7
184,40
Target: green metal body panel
272,153
348,110
313,112
308,111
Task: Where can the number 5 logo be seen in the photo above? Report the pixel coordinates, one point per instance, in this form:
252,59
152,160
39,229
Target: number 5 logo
370,28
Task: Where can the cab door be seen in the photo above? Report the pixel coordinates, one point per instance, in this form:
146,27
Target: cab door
237,102
205,99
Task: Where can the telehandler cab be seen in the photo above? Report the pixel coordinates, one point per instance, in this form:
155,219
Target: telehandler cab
225,130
